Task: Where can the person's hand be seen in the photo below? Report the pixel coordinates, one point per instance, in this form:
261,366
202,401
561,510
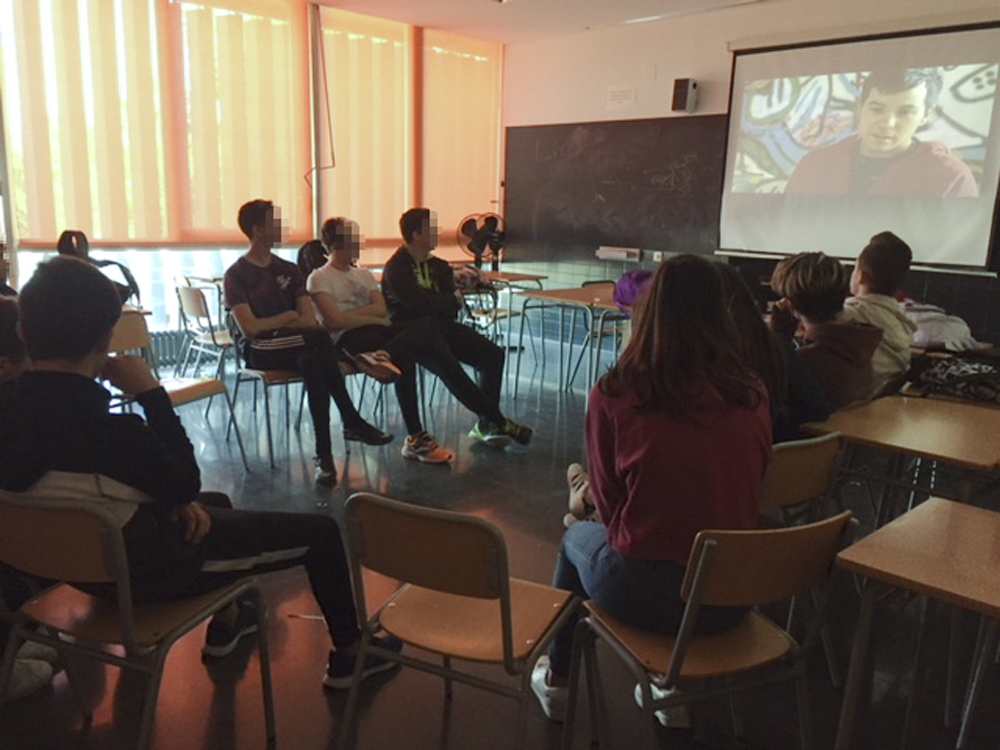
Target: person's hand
782,319
129,374
195,520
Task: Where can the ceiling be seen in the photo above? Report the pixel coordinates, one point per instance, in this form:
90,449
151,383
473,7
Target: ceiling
523,20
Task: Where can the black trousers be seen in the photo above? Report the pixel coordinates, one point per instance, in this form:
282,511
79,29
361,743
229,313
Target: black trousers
318,362
243,543
441,347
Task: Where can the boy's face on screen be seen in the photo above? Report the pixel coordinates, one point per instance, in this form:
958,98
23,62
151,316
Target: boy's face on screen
889,121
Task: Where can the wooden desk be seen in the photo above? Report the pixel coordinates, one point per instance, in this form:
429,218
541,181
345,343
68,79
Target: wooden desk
596,300
941,549
956,432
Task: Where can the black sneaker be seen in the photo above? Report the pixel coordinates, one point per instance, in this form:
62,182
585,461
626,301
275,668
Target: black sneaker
367,434
222,638
340,668
326,471
519,432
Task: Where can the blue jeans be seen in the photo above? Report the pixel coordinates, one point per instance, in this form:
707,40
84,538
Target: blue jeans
641,593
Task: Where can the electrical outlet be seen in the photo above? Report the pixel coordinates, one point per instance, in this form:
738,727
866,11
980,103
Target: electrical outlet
657,256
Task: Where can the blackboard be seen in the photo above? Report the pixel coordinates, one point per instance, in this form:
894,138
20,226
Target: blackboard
651,184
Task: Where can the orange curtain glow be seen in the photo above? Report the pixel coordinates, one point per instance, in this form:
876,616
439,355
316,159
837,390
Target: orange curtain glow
461,129
369,80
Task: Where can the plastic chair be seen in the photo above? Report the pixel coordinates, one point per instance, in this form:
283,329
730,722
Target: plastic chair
131,334
204,337
81,542
725,568
457,602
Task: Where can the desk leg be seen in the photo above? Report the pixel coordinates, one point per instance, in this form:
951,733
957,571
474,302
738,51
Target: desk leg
983,656
857,670
918,668
520,348
951,687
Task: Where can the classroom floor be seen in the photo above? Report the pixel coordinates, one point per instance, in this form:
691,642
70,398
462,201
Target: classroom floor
216,705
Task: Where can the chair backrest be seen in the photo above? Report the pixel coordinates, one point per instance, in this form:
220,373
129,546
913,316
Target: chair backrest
54,539
71,541
800,470
744,568
130,333
193,303
435,549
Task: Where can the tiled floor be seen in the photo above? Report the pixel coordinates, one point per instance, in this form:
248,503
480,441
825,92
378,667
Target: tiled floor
216,706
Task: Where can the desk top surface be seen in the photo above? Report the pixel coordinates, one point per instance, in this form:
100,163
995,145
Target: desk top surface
600,296
943,549
512,277
960,433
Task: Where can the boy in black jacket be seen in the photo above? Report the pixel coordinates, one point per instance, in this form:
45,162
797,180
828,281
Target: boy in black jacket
57,435
418,286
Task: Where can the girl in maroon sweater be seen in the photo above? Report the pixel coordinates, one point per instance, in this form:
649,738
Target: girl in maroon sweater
678,439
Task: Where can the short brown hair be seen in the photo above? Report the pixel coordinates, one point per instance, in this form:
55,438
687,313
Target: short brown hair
66,308
885,259
253,214
413,222
815,283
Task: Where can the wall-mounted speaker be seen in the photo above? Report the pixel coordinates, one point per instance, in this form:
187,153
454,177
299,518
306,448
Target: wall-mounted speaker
685,95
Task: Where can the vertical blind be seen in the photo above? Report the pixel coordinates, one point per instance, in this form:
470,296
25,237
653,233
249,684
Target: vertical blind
152,121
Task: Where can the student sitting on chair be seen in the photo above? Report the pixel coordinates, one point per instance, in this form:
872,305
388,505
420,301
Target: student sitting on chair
353,309
813,288
877,277
419,287
678,439
278,331
56,431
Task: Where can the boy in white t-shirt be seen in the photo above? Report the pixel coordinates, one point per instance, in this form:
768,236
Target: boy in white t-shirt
351,306
878,275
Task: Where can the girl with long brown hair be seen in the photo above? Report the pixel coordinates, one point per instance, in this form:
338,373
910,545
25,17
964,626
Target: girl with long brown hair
678,438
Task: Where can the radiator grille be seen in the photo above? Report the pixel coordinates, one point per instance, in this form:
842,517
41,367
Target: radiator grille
167,347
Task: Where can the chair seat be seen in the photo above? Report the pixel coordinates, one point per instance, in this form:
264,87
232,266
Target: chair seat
221,340
185,390
272,377
470,628
754,643
94,620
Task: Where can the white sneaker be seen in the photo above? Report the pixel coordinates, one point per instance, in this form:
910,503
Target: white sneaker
675,717
29,677
552,698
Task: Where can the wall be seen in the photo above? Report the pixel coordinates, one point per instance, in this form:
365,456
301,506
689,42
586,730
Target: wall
566,79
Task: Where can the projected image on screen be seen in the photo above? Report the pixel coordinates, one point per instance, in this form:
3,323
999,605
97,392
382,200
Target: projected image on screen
891,131
830,143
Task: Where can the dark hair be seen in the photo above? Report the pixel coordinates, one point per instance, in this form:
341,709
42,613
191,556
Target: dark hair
334,232
684,339
895,80
66,307
253,214
311,256
74,244
11,345
761,348
815,283
886,259
413,222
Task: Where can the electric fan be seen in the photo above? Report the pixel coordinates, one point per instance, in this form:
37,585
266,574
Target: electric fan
482,237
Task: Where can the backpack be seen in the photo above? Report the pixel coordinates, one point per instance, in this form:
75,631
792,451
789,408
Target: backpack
970,376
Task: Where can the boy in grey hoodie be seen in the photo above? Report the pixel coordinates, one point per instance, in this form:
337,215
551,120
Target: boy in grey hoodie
878,275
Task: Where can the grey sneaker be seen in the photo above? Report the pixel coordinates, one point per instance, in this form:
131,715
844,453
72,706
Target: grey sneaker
326,471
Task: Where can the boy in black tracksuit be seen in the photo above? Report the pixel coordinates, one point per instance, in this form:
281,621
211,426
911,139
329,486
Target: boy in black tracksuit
418,286
56,434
